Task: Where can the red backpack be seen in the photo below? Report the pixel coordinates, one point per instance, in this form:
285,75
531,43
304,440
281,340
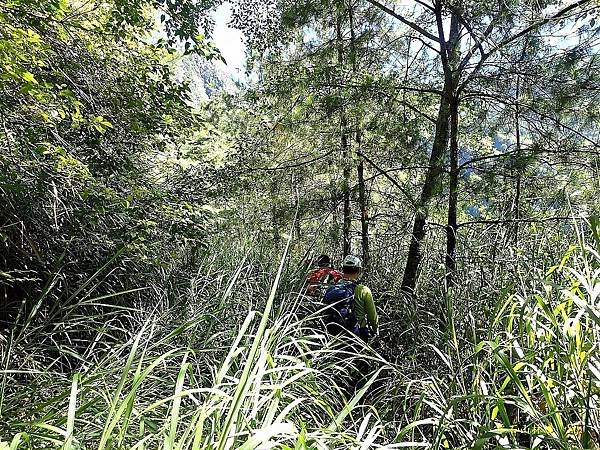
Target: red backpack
320,279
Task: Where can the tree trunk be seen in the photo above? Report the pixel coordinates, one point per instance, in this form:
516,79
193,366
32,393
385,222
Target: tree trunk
517,200
452,225
274,213
364,216
297,223
362,197
454,172
346,188
435,169
432,182
347,223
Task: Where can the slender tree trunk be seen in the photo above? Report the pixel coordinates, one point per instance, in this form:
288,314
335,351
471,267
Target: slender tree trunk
517,200
346,172
353,55
274,212
438,152
346,189
364,215
435,169
362,197
334,230
297,223
297,227
452,225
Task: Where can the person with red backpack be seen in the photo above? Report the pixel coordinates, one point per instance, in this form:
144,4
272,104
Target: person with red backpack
350,305
321,277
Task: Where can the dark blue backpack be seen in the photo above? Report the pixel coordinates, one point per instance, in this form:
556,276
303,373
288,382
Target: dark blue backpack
339,300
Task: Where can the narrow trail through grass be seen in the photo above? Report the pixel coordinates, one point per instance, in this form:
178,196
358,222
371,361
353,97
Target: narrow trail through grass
237,378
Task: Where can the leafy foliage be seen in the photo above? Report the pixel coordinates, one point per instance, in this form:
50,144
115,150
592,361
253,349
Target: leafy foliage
86,115
144,298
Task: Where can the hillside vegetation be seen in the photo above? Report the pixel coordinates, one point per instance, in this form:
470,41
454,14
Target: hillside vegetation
156,238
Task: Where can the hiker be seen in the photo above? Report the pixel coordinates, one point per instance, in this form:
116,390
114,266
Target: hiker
321,277
351,305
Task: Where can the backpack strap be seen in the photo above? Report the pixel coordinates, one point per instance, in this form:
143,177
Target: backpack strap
349,283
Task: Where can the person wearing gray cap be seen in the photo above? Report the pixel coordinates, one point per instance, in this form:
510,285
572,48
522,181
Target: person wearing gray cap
351,303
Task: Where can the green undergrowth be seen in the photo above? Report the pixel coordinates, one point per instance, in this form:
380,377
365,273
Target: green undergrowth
228,376
240,361
532,380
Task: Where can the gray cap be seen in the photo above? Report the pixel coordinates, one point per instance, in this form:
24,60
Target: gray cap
352,261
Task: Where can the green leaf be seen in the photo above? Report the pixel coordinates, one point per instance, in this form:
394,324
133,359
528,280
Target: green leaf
28,77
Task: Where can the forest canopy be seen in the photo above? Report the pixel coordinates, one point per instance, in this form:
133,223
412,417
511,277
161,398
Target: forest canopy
165,225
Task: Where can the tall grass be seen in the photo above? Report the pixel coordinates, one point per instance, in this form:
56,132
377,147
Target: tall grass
533,380
195,385
240,361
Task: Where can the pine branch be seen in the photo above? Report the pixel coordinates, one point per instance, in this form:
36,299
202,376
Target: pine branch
405,21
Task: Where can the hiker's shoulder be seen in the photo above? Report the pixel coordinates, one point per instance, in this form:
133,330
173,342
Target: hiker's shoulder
363,290
312,275
317,272
336,274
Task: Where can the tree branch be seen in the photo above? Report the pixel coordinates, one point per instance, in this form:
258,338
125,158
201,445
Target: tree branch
509,221
405,21
389,177
478,45
395,169
558,15
425,5
290,166
509,101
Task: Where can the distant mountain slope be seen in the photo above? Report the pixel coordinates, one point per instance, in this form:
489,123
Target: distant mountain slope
205,77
